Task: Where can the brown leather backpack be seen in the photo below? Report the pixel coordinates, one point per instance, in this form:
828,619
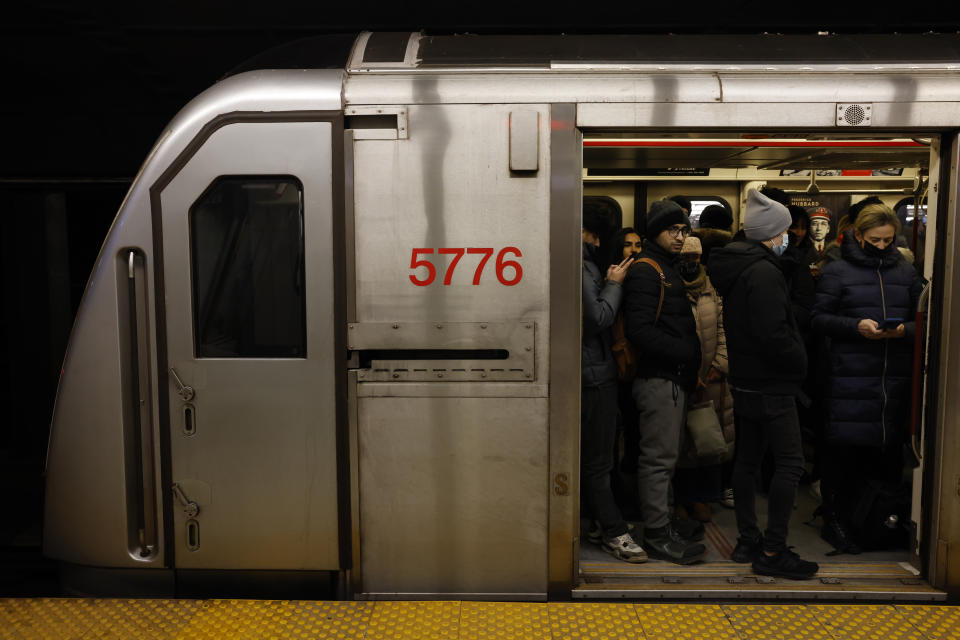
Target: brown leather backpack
623,352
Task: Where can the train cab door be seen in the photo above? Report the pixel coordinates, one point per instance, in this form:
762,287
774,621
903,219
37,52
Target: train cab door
248,246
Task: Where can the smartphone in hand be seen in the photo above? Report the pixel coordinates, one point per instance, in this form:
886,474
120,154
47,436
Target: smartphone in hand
890,323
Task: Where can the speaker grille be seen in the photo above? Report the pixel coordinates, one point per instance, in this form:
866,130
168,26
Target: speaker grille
853,115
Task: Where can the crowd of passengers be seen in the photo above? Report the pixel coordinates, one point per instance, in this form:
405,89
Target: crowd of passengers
715,352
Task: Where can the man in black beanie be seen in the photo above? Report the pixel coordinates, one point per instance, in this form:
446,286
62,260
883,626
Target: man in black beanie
661,328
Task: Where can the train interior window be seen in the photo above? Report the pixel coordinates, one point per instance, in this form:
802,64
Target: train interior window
246,237
825,175
699,203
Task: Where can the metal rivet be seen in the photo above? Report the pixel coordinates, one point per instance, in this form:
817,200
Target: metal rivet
528,348
483,326
396,375
483,375
529,326
396,326
439,326
352,327
439,375
529,375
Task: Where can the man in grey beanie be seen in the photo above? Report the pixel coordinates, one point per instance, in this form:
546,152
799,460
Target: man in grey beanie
768,363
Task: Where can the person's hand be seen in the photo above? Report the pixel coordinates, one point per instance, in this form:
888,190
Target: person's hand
617,272
870,330
899,332
700,383
714,375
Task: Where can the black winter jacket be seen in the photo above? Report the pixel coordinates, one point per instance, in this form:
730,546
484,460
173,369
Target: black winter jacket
868,391
764,346
669,347
601,301
795,264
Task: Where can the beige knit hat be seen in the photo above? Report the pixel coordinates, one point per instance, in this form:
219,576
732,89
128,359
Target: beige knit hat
692,245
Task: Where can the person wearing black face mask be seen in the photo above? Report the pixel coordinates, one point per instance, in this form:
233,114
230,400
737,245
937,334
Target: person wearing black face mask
699,477
865,305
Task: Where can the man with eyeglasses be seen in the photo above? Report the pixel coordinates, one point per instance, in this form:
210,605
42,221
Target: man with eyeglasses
662,330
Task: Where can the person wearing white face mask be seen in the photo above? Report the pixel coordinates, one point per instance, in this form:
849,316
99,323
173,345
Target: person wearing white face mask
768,363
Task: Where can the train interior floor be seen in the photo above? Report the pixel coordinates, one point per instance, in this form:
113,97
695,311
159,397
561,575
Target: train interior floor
839,574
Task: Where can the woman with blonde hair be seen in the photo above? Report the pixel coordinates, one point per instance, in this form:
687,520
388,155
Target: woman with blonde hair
865,305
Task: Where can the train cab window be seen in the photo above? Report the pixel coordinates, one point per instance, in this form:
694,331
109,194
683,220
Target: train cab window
246,237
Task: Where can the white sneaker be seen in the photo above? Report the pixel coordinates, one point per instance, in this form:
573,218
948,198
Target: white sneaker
624,548
815,491
727,498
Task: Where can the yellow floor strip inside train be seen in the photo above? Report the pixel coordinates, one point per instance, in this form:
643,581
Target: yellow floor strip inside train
81,618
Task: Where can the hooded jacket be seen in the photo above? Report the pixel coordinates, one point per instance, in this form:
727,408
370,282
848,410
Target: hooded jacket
868,390
711,239
667,347
764,346
601,301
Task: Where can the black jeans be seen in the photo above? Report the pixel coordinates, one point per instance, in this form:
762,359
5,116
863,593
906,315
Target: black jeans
766,421
598,429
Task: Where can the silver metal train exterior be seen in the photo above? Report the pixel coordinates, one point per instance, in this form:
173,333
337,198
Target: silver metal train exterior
415,430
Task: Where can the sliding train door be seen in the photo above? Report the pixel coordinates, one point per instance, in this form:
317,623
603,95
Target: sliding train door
451,339
248,247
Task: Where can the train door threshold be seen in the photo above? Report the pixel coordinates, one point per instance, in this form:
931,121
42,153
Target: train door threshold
726,580
875,575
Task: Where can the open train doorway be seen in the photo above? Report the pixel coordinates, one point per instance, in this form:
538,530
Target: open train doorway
827,177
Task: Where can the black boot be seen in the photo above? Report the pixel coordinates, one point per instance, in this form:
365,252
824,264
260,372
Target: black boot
836,532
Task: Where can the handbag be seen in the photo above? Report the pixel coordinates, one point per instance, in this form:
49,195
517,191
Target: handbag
705,430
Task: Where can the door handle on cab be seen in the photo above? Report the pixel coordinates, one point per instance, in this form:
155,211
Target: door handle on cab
186,392
190,508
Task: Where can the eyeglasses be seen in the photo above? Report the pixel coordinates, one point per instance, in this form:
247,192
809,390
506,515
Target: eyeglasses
678,230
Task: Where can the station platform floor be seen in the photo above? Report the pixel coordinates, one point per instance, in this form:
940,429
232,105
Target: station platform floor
82,618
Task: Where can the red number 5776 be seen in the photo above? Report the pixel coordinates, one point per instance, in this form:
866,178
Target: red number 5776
416,262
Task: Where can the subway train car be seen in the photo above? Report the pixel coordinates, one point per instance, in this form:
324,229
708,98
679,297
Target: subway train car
333,334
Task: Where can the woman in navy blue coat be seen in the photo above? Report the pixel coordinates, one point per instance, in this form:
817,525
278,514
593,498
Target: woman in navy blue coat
865,306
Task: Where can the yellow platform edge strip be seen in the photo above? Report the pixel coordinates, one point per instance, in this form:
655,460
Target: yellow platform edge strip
81,618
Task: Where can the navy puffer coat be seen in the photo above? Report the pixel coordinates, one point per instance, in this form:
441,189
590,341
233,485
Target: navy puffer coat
868,392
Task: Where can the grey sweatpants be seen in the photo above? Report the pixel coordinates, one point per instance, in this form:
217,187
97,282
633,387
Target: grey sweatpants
662,409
